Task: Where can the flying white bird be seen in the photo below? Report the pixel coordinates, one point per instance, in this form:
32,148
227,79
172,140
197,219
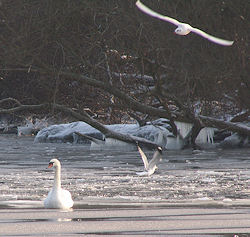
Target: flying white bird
183,28
150,167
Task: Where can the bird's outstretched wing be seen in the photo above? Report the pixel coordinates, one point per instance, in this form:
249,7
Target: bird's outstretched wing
157,157
150,12
144,157
212,38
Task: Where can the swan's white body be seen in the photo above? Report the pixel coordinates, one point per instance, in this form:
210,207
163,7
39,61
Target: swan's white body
58,197
151,166
183,28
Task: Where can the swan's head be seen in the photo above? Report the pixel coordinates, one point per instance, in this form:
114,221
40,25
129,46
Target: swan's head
54,163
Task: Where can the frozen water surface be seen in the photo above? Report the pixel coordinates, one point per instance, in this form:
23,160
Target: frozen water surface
182,175
107,179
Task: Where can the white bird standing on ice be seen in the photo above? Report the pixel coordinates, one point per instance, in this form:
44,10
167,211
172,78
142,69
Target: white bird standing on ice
58,197
183,28
150,167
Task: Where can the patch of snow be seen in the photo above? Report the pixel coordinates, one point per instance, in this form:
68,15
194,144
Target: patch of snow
114,143
66,133
174,143
234,141
27,129
227,200
157,132
204,199
31,127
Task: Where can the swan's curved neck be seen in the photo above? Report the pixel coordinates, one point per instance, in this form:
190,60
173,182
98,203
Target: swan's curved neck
57,179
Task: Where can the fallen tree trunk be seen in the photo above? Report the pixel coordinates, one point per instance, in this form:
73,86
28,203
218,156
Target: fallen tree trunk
103,129
135,105
21,107
123,137
217,123
197,126
83,116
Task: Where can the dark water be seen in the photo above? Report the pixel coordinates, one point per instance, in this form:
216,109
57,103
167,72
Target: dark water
182,175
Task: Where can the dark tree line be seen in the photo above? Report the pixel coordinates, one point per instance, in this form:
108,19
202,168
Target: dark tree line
108,56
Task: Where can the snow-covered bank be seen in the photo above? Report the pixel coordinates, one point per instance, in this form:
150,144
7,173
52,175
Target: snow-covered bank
157,132
66,133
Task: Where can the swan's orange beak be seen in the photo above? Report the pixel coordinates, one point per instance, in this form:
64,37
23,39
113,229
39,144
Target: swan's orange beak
50,165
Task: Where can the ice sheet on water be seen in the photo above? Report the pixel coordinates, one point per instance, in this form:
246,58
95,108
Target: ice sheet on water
65,132
62,132
157,131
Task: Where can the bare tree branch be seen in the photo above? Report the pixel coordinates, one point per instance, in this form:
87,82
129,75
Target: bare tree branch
128,100
10,100
234,127
83,116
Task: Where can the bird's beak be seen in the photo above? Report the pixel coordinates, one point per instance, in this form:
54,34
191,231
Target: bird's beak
50,165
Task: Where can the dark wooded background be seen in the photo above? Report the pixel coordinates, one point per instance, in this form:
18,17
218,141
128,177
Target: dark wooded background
102,38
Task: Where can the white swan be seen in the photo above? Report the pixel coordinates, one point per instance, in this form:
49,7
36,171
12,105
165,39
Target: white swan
183,28
150,166
58,197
